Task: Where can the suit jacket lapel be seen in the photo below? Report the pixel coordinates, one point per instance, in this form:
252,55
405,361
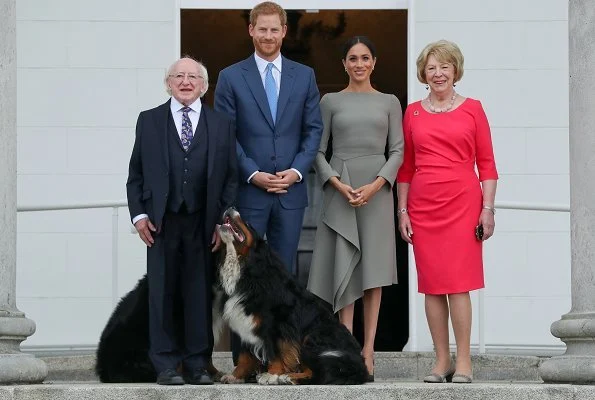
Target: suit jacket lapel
211,129
254,81
161,118
287,81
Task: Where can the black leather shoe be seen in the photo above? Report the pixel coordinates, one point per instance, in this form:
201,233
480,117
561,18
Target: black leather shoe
199,377
169,377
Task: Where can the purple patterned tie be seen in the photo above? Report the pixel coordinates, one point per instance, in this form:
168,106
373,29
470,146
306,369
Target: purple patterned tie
186,135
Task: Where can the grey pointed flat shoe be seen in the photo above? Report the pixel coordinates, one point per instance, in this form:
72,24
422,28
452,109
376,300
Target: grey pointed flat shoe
460,378
440,378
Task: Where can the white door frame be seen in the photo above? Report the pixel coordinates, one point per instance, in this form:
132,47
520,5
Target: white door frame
412,344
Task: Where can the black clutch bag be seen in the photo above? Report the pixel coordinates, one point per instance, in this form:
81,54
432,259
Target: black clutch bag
479,232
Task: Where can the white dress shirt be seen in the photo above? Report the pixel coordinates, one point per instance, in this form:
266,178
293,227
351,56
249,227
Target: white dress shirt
193,114
176,112
261,64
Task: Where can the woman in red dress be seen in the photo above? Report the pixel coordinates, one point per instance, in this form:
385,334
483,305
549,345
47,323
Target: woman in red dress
441,202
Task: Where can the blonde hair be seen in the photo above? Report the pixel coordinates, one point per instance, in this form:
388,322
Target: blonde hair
202,70
445,52
268,8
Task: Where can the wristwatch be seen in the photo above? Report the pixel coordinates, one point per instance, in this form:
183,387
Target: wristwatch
402,211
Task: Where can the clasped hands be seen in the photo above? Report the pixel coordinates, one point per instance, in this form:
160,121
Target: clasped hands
277,183
360,196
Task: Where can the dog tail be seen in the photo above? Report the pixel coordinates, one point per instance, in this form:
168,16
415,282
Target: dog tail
337,367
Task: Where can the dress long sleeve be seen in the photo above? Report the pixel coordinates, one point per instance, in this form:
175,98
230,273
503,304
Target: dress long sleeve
323,169
395,143
484,152
407,169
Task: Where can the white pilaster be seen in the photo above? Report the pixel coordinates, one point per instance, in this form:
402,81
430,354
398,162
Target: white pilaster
577,327
15,367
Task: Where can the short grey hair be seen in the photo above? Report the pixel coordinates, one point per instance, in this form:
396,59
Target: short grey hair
201,69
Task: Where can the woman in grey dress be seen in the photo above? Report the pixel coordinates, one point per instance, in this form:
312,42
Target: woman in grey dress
354,254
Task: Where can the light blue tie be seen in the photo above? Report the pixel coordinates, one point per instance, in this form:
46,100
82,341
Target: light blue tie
270,87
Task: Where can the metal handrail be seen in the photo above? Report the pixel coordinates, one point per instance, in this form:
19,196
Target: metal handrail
510,205
74,206
513,205
115,205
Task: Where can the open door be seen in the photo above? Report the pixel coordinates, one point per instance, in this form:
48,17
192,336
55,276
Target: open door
220,38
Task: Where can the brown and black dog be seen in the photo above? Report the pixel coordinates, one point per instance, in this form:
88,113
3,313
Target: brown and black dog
294,338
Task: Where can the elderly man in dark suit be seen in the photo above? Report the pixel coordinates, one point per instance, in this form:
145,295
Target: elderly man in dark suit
182,176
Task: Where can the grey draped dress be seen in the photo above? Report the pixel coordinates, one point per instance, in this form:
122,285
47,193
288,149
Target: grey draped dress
355,248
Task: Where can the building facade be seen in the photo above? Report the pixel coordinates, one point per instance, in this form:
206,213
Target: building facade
86,69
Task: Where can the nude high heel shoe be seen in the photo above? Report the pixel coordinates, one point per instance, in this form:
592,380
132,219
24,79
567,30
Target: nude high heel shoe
441,378
460,378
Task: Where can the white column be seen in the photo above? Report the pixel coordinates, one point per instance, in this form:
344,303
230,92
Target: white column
577,328
15,367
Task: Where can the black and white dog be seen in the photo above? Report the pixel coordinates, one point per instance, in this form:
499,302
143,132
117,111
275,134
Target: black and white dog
294,338
123,350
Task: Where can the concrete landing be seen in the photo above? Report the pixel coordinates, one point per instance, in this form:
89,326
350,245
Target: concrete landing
408,366
372,391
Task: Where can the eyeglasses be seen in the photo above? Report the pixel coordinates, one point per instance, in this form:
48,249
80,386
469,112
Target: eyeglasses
179,77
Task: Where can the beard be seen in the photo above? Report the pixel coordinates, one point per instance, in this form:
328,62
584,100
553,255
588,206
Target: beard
266,49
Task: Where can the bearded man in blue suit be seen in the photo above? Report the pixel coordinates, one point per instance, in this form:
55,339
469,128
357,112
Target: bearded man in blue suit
274,102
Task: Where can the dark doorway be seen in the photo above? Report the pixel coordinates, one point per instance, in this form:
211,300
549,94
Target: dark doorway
220,38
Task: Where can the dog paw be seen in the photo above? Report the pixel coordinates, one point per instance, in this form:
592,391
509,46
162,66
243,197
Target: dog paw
285,379
267,379
218,376
230,379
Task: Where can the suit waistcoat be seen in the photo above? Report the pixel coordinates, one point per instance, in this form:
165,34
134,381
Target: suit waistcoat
187,169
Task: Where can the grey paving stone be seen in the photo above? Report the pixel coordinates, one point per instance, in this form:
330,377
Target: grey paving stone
376,391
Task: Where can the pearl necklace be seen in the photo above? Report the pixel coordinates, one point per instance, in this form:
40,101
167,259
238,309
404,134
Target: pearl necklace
441,110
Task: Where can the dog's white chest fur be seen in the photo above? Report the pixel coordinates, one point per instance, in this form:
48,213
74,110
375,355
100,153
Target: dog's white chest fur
230,271
233,310
240,322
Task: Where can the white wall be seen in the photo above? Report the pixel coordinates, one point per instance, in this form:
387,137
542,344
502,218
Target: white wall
516,63
85,70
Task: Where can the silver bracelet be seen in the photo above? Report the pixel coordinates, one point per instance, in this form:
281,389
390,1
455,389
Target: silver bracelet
492,209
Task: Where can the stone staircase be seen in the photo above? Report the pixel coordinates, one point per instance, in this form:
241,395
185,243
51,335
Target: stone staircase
398,376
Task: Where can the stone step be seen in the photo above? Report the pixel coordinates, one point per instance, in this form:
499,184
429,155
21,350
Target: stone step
371,391
408,366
